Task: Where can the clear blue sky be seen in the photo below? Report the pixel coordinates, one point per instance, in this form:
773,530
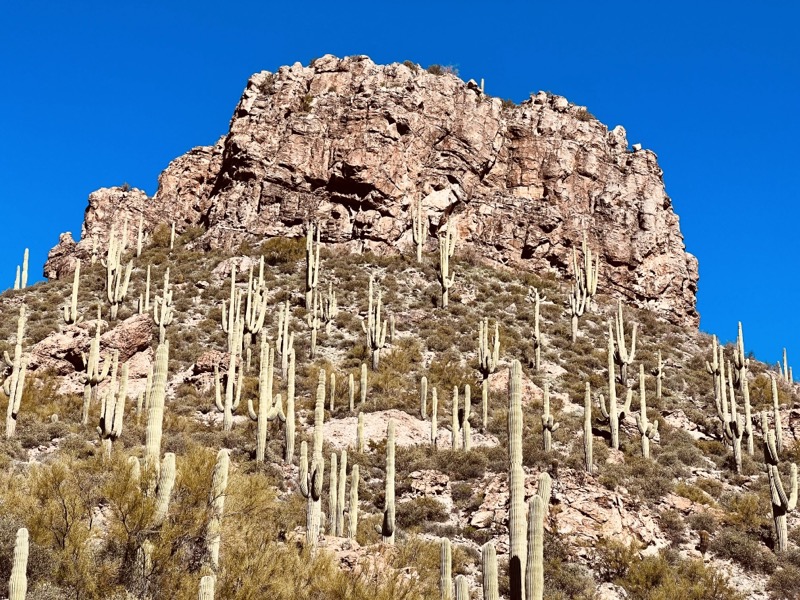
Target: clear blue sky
100,93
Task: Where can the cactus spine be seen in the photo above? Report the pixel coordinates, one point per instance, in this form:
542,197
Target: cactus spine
781,503
18,583
290,411
94,374
387,528
206,588
117,279
614,413
312,262
622,356
423,397
311,478
517,526
489,570
434,417
155,412
447,246
267,411
446,569
374,327
162,309
71,309
548,423
588,439
14,384
419,229
646,428
330,309
658,373
216,502
537,298
353,513
488,358
112,408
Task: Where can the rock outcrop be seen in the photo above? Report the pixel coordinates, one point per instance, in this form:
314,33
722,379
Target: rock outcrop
354,146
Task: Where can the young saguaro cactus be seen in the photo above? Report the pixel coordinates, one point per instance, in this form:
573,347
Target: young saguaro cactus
206,588
362,390
374,327
290,426
445,569
71,308
313,320
434,417
353,509
781,502
144,299
311,478
447,246
646,428
333,494
14,384
166,482
658,373
312,262
517,525
462,588
488,357
387,528
419,228
455,429
423,397
549,426
360,433
586,272
269,408
614,413
341,494
216,503
18,582
588,438
489,571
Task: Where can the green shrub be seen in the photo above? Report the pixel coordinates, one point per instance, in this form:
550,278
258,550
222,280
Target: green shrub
417,511
736,546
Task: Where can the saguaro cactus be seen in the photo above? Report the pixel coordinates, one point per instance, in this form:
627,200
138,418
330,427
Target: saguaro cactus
588,438
311,478
419,228
18,582
255,304
577,306
353,509
333,494
484,405
206,588
536,298
330,309
489,570
166,482
776,412
614,413
447,246
374,327
144,299
786,370
646,428
455,429
312,262
434,417
713,367
517,525
658,373
312,318
231,311
341,493
423,397
71,308
14,384
216,503
734,427
622,355
488,357
781,502
285,341
233,387
290,425
162,309
586,272
94,374
462,588
445,569
360,433
549,426
112,408
387,528
362,390
117,279
155,413
742,364
267,411
534,580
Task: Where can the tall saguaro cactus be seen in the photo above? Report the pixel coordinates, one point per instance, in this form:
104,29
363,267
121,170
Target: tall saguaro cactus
585,286
117,278
162,309
155,413
434,417
112,408
290,425
18,583
94,374
447,246
255,304
419,228
352,528
216,503
445,569
233,387
742,364
312,262
374,327
311,478
285,342
517,525
549,426
781,502
71,308
387,527
267,410
658,373
313,320
776,413
423,397
588,438
534,580
623,356
14,384
614,413
488,354
489,571
646,428
536,298
330,308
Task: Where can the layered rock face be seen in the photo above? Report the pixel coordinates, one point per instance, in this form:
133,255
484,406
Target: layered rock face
355,146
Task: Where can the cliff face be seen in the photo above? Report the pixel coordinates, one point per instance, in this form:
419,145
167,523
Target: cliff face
353,146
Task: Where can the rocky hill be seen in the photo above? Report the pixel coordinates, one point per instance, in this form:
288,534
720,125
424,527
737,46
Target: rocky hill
355,146
257,414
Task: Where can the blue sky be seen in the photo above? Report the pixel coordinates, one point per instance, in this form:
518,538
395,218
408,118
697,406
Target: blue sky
100,93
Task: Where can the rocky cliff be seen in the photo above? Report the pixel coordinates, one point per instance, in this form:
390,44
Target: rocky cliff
354,145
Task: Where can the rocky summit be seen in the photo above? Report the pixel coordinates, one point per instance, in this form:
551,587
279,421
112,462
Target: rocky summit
356,147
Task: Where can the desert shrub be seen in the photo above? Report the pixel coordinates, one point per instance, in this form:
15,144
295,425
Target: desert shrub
738,547
671,523
784,583
442,70
692,492
584,115
702,521
417,511
280,251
